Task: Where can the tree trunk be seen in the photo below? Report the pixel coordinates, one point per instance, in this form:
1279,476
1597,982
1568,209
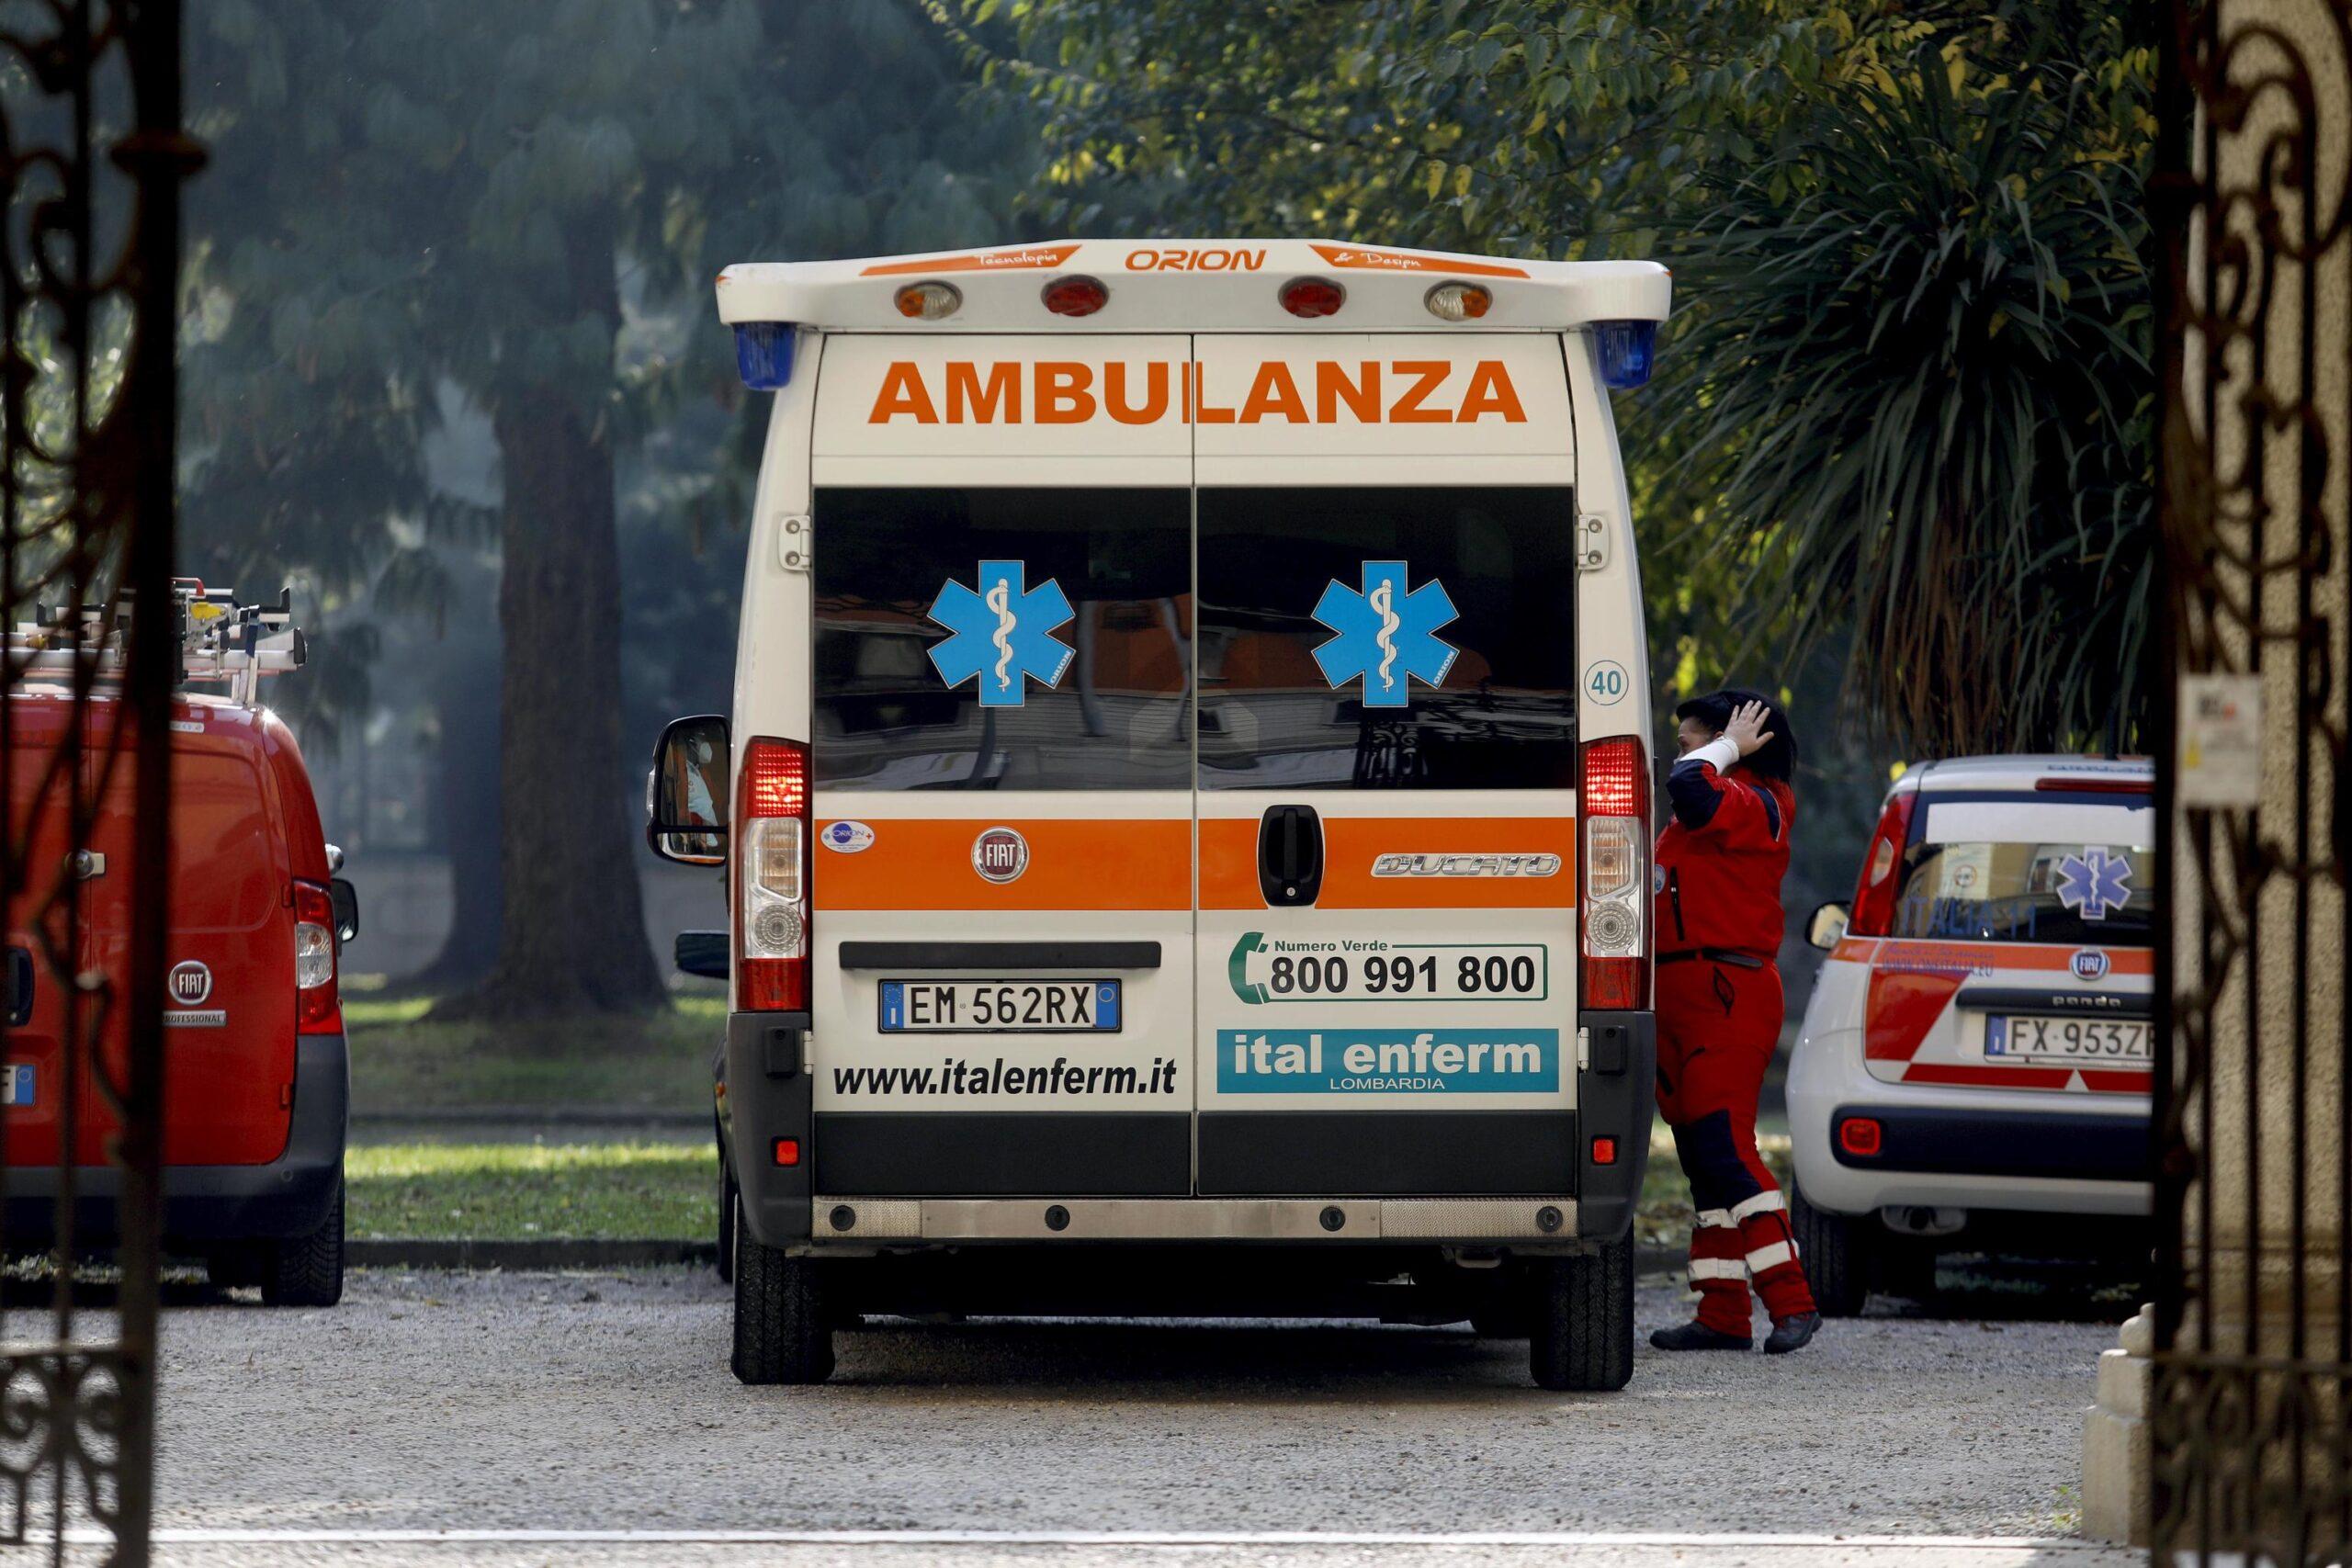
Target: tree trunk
470,826
573,936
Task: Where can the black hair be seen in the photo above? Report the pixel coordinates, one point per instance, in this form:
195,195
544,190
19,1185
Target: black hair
1777,758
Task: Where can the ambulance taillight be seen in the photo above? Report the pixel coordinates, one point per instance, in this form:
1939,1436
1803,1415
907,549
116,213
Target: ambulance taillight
772,878
1076,296
318,1005
1881,877
1310,297
1614,798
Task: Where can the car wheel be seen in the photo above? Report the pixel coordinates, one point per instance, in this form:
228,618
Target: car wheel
307,1271
1837,1260
1581,1333
783,1332
728,1197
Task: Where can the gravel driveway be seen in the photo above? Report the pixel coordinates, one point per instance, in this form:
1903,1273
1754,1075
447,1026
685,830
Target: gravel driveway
602,1402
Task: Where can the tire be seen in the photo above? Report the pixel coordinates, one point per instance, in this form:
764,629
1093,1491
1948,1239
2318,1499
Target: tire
1837,1259
307,1271
728,1199
1580,1336
783,1331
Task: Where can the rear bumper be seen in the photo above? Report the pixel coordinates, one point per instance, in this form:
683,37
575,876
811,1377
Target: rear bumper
289,1196
1937,1140
1525,1178
1452,1220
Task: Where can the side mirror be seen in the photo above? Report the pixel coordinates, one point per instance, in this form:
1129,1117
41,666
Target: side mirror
1827,927
702,952
685,798
346,898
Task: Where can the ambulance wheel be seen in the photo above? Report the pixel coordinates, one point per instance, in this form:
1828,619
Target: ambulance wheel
1581,1333
783,1332
307,1271
1837,1261
727,1198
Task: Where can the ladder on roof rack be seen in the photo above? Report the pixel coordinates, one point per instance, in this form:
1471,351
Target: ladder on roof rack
219,640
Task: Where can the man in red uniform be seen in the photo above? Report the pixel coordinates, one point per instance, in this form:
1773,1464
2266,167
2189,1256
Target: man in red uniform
1718,921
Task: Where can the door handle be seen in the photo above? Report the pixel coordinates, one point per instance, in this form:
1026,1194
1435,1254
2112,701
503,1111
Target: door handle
1290,855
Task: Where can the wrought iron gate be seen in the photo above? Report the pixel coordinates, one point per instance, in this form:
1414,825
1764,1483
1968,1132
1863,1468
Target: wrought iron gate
92,153
2251,1424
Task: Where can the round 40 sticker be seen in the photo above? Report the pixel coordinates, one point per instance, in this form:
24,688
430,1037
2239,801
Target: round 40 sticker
1605,682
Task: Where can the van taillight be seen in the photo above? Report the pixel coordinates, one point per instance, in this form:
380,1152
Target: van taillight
318,1009
1881,878
1614,797
771,832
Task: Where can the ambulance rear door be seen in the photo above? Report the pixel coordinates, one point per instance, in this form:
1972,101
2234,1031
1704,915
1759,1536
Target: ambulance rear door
1001,752
1386,966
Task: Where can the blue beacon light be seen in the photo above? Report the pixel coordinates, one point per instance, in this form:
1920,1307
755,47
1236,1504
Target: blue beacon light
764,353
1628,350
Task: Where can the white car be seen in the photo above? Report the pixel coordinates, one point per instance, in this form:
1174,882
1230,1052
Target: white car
1974,1070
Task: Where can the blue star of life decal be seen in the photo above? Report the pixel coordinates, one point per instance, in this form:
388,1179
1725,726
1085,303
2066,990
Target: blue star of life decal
2094,882
1386,636
1002,633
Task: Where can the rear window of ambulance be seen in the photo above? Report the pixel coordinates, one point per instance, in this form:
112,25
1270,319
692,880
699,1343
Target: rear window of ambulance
887,714
1501,712
2022,869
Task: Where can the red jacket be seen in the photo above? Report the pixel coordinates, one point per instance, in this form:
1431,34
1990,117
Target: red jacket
1721,858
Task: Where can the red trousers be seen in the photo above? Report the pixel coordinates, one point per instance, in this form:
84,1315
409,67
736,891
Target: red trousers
1717,1025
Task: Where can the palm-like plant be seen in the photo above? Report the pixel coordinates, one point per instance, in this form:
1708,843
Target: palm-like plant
1916,380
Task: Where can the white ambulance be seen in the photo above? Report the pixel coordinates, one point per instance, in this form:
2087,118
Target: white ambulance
1974,1069
1186,805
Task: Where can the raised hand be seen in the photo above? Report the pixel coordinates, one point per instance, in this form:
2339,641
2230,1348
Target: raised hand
1747,729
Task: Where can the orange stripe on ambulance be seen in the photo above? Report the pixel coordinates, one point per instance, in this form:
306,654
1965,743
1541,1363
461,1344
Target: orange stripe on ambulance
1072,391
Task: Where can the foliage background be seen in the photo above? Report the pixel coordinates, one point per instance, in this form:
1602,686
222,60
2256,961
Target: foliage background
1895,463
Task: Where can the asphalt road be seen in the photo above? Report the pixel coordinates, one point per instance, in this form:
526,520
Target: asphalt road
602,1403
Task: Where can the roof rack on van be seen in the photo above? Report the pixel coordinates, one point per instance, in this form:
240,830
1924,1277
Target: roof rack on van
219,640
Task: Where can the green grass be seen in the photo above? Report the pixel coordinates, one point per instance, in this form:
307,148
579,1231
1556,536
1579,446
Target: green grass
402,1061
523,1191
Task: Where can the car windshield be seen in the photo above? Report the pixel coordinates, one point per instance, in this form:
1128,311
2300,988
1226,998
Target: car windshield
2028,890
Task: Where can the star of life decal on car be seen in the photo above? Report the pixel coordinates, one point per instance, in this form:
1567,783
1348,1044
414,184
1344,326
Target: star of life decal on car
1002,633
2094,883
1386,636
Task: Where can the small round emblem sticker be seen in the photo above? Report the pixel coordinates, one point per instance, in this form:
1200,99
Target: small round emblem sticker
999,854
2090,964
848,837
188,984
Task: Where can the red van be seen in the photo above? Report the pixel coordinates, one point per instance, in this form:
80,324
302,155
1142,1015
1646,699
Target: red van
257,1078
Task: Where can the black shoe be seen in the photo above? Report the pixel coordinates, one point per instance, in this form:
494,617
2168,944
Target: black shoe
1791,1333
1697,1337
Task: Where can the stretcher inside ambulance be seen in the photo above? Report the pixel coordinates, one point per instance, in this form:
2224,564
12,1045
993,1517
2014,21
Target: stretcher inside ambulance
1190,817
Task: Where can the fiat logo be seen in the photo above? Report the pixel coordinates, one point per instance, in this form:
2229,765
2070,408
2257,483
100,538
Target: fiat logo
188,984
2090,964
999,854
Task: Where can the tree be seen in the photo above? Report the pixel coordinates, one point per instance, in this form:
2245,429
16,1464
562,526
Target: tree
1679,129
532,216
